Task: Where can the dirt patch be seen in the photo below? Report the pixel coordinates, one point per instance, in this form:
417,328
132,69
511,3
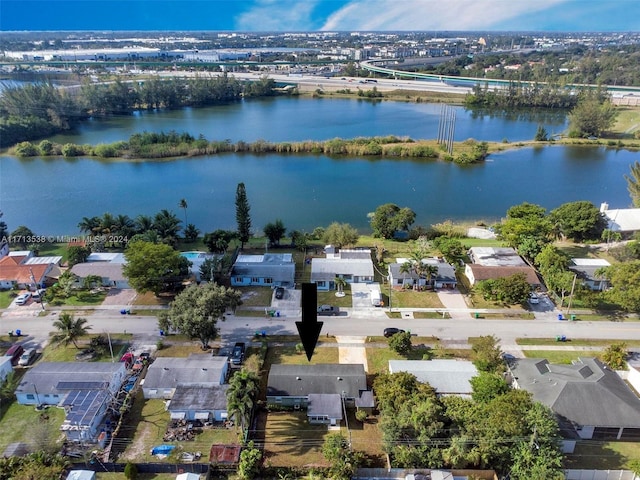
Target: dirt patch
117,296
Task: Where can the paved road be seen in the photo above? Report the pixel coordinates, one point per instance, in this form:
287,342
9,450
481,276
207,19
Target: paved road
351,323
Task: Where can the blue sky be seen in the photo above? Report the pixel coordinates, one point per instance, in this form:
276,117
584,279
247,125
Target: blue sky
311,15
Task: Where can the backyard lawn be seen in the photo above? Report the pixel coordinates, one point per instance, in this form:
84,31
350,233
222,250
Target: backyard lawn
289,356
601,455
291,441
22,423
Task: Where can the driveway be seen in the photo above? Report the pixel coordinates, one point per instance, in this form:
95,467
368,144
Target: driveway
361,295
351,350
452,299
289,304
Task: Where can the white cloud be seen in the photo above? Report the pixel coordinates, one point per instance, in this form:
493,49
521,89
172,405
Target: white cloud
439,15
277,15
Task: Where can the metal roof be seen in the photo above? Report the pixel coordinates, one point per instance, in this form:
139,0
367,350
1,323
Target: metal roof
447,377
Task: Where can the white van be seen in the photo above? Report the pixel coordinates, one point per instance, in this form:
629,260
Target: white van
376,298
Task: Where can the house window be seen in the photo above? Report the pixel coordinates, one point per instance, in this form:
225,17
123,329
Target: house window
239,280
278,399
153,392
322,284
167,393
30,396
255,280
268,280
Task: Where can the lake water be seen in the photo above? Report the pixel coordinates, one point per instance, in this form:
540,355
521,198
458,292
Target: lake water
51,195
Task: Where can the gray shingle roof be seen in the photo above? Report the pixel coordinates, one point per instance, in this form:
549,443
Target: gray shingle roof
168,372
302,380
47,376
329,405
358,266
196,397
585,393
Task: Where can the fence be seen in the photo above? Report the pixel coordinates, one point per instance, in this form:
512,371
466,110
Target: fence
600,475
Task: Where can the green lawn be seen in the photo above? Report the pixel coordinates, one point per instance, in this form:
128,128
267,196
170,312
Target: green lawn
557,356
329,298
81,299
378,358
290,441
22,423
411,298
255,296
367,437
150,299
601,455
288,356
6,297
67,353
578,342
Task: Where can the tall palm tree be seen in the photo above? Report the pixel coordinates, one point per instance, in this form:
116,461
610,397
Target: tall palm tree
340,284
183,204
242,391
69,329
430,271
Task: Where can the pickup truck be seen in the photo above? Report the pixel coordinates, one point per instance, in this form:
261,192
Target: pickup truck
327,310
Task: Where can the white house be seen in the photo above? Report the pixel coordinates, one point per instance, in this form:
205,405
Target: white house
447,377
352,265
268,270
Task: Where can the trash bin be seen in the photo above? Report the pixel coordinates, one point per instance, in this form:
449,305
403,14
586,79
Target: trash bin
560,317
564,338
162,333
278,313
18,333
264,333
476,315
573,318
558,338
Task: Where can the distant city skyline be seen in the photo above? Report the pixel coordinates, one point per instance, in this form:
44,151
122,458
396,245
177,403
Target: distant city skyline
322,15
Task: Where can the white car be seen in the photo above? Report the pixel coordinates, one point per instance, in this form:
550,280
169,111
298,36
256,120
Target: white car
23,299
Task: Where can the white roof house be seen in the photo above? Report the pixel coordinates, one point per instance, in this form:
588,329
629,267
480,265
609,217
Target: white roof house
621,219
353,265
496,257
447,377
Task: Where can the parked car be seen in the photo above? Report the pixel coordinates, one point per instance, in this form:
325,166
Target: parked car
23,298
391,331
38,294
237,354
15,352
27,357
328,310
86,354
533,298
279,293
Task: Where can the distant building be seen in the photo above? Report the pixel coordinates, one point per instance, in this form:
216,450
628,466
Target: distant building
586,268
625,221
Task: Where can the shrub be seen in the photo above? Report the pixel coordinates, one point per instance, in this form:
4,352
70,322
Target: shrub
130,471
25,149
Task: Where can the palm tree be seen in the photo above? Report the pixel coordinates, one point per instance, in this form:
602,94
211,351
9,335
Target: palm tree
183,204
167,225
143,223
69,329
430,271
243,388
406,267
340,284
89,225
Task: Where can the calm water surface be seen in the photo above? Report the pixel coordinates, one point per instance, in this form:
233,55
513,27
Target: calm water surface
52,195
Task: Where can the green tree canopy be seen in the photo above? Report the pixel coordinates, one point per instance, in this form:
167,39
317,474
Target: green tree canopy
196,310
274,231
243,215
633,183
340,235
153,267
400,343
77,254
591,116
218,240
526,224
579,220
486,386
487,356
390,218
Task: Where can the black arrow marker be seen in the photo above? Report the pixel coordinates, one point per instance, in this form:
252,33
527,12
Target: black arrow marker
309,328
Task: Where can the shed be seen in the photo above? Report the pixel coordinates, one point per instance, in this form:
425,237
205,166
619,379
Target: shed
81,475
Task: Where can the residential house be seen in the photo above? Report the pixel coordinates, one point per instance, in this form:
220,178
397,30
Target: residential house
268,270
625,221
447,377
490,263
6,367
107,266
324,390
15,271
195,386
84,390
586,268
590,400
352,265
445,276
